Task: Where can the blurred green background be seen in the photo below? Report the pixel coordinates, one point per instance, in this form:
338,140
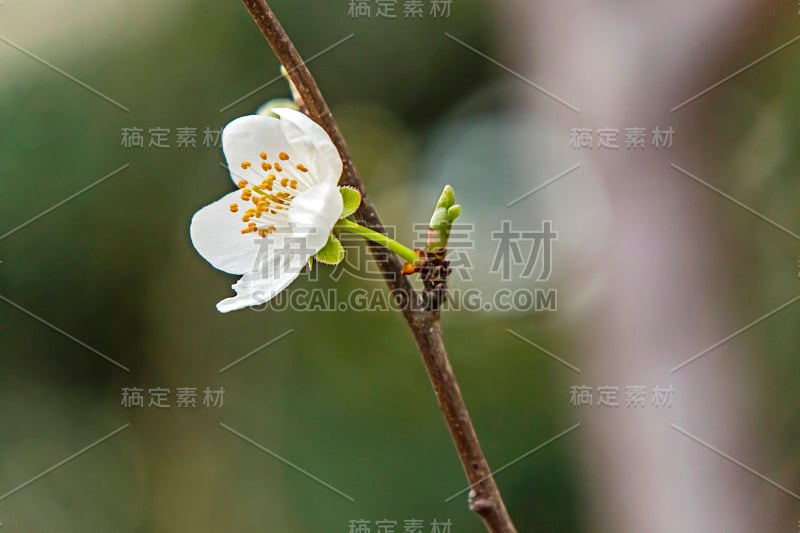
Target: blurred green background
345,396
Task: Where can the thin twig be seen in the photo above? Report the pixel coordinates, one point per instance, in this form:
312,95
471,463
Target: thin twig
425,325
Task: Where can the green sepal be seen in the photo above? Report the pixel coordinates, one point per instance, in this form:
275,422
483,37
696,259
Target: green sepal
351,200
332,253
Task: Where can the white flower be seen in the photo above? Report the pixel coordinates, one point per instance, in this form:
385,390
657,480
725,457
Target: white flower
288,201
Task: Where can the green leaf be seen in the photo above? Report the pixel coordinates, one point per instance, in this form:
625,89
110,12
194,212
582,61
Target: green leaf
332,253
351,199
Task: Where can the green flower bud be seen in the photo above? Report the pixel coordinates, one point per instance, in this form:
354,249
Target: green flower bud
444,214
447,198
266,109
453,212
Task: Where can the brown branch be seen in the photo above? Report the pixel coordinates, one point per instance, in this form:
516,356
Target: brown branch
425,325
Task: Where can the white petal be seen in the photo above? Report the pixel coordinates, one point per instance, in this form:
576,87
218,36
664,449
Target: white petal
252,289
312,145
217,236
283,256
314,212
245,138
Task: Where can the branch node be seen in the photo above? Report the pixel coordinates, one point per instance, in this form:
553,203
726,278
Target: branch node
480,504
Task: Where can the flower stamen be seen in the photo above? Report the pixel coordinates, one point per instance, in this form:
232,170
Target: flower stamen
268,201
263,232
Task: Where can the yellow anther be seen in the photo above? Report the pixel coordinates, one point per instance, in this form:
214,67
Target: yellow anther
247,230
234,208
262,232
247,218
266,166
293,184
242,184
246,165
302,168
251,224
283,156
278,167
263,155
284,182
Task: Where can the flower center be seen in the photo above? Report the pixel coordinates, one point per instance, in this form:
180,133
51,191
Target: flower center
271,192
